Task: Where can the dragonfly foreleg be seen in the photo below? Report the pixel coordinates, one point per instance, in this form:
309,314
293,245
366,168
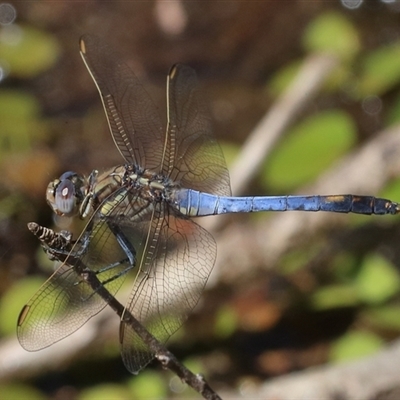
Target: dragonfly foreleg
54,244
57,245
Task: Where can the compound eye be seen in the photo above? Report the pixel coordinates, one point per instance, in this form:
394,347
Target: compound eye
51,191
70,175
65,194
65,198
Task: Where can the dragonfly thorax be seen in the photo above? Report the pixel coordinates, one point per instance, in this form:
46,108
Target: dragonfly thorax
149,185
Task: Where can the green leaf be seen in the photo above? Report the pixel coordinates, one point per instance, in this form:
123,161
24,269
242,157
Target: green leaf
105,392
283,78
392,117
332,32
334,296
19,121
380,71
377,280
385,317
18,105
345,266
309,148
230,151
226,322
148,385
391,191
296,259
11,204
19,391
13,300
355,345
20,293
27,51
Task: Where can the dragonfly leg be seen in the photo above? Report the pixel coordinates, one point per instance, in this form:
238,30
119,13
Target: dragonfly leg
87,272
124,243
128,249
60,254
114,265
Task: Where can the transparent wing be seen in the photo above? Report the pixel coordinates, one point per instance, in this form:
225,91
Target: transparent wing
65,301
175,266
132,116
192,157
174,256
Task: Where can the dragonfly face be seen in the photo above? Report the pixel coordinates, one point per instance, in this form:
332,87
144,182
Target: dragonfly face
66,194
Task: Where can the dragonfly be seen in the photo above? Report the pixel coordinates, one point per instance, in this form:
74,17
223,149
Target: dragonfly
139,216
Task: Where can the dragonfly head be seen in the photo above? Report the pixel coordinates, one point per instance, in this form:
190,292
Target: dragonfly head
65,194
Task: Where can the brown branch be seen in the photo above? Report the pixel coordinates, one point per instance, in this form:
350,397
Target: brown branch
167,359
365,171
64,253
361,379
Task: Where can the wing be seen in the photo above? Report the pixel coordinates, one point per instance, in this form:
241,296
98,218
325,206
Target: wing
66,301
176,262
192,157
132,116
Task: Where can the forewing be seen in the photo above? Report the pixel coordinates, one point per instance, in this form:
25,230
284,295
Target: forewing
66,301
132,116
177,262
193,157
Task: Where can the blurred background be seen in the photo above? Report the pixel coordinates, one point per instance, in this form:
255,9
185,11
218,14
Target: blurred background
288,292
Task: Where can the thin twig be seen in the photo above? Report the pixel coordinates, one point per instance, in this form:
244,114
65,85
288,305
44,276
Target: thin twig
167,359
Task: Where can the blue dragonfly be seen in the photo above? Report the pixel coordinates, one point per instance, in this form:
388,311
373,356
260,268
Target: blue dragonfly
139,215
